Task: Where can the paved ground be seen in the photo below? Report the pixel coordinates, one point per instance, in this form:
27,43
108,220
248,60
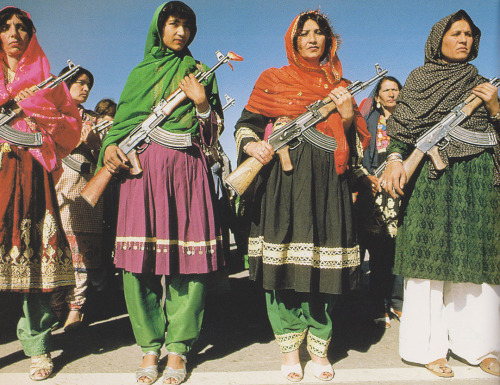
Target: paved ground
236,346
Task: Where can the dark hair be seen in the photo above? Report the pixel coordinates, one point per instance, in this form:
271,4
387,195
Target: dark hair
182,11
379,86
81,71
324,27
106,107
7,14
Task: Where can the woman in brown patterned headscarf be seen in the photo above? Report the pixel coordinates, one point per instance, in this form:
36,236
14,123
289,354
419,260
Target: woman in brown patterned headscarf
448,246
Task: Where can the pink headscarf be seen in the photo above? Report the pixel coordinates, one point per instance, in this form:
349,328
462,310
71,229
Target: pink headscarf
50,111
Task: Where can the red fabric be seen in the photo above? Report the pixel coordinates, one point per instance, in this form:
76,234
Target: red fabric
51,112
288,90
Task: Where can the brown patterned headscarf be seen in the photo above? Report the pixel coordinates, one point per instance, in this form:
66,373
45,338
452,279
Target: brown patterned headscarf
434,89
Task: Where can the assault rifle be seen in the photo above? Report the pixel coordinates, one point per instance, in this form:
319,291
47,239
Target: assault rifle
140,137
102,126
439,136
229,102
11,109
301,128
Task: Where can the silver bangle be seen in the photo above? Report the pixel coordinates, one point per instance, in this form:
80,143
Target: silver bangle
204,115
496,117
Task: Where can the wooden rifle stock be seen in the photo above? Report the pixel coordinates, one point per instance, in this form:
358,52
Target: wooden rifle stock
93,191
241,178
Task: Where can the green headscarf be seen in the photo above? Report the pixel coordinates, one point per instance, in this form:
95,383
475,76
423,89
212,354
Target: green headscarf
156,77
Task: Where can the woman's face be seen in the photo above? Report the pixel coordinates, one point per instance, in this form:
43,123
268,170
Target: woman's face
457,42
15,38
80,89
387,95
176,33
311,42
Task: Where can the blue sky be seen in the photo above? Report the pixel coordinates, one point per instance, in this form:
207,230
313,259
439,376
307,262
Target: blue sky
108,36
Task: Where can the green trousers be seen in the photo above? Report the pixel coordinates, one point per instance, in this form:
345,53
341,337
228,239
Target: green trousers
180,317
294,315
34,327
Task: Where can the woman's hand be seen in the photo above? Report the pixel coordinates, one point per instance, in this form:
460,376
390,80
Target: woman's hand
373,183
196,92
262,151
343,99
26,93
115,159
393,179
489,93
89,136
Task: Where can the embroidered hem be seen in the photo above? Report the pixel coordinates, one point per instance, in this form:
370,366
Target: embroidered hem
290,342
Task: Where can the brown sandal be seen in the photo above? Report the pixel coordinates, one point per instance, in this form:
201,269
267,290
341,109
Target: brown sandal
439,368
491,366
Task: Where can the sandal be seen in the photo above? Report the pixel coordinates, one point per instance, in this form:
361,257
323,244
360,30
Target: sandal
150,372
39,363
491,366
439,368
322,372
74,325
178,375
288,370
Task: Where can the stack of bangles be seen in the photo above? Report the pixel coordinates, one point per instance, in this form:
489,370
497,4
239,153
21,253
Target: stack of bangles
394,157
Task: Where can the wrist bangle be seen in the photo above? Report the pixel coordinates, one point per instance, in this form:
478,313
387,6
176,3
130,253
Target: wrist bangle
496,117
204,115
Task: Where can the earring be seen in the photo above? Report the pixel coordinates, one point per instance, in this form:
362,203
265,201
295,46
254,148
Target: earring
378,105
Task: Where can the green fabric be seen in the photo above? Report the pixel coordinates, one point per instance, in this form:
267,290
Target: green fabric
184,308
291,314
451,224
34,327
156,77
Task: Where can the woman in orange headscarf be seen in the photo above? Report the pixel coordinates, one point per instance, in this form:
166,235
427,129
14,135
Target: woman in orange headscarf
302,242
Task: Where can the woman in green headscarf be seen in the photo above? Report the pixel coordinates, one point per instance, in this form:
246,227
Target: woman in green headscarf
166,220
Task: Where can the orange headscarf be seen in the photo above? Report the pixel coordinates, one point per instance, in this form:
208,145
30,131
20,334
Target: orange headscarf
288,90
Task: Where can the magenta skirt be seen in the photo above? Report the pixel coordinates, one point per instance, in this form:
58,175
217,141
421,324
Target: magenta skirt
167,224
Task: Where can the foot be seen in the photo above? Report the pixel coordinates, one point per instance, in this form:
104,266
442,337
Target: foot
491,366
322,369
41,367
383,320
148,370
396,313
290,366
440,368
74,320
175,372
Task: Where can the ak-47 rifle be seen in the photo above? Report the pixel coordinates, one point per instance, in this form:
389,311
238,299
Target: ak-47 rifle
441,133
301,128
134,142
11,109
229,102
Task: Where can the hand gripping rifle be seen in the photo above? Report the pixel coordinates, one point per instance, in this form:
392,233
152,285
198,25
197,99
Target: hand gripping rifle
11,109
441,133
301,128
133,143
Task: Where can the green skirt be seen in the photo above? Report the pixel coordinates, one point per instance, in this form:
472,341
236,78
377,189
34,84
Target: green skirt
451,225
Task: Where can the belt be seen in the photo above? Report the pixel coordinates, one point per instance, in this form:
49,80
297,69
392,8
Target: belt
19,138
76,165
170,139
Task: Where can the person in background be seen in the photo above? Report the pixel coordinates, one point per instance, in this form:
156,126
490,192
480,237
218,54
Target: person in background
82,223
106,109
167,225
376,212
302,246
448,246
35,258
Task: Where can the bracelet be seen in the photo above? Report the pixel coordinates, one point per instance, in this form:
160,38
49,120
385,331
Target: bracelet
496,117
394,161
204,115
394,155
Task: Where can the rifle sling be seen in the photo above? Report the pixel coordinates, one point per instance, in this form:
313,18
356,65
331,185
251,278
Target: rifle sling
19,138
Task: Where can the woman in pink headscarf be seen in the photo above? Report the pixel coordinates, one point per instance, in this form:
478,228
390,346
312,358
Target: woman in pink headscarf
35,259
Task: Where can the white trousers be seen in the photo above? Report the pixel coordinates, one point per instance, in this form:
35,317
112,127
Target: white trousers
439,316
